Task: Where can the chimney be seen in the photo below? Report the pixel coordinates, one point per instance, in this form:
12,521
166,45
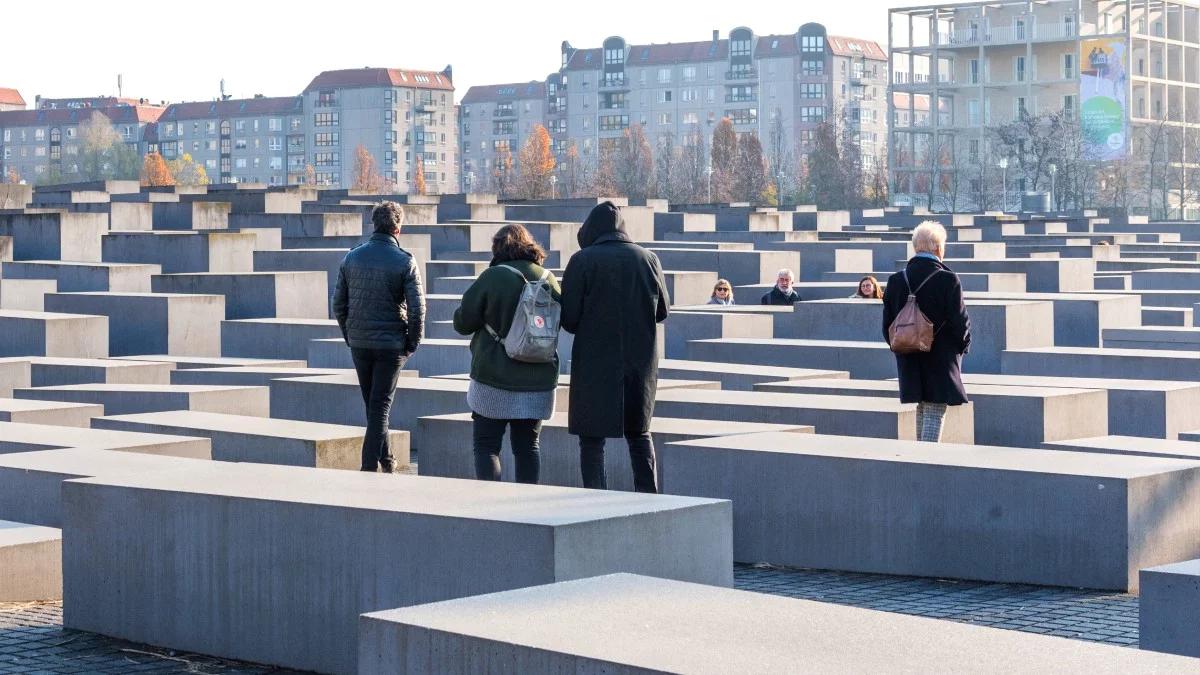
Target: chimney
716,36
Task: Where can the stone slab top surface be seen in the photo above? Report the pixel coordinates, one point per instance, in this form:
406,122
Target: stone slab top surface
71,263
1187,568
85,363
667,425
243,424
694,628
17,534
1016,300
87,462
782,372
130,294
1089,464
44,316
143,388
349,379
287,322
795,342
1077,382
11,405
213,361
1132,445
565,381
1011,295
427,342
541,505
786,400
736,309
1111,352
239,274
282,372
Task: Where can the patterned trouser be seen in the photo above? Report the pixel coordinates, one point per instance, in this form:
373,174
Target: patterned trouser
929,421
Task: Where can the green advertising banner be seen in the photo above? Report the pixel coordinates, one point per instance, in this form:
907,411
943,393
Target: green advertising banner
1103,105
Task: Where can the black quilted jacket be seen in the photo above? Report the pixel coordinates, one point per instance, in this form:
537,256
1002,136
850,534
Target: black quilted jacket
378,302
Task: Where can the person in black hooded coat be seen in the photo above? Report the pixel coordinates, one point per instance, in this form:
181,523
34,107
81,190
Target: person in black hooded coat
613,294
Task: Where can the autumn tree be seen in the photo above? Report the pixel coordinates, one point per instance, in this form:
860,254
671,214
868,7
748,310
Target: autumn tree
418,181
604,179
572,170
155,172
186,171
103,152
750,171
724,161
824,160
502,173
779,157
535,165
366,172
693,170
310,174
13,176
633,164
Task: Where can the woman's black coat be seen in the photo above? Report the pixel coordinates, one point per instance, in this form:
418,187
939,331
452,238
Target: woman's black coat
933,377
613,294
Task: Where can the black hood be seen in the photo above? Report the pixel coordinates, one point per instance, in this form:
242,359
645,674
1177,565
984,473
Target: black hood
605,219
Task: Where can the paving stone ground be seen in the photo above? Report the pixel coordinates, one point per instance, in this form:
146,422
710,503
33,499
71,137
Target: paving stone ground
33,641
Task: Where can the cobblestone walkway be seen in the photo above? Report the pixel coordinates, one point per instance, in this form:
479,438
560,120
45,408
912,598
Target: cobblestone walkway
32,639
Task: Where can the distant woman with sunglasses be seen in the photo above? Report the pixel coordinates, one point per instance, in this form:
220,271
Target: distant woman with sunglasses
722,293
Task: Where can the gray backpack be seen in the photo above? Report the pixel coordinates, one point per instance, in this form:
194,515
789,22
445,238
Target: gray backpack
533,336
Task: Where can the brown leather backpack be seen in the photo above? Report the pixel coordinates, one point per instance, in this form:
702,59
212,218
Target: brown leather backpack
911,331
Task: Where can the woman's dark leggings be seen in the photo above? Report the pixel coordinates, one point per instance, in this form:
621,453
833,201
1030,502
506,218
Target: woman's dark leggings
489,436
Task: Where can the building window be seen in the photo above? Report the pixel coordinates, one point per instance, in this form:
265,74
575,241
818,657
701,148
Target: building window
1068,104
812,67
240,126
39,134
689,73
749,115
690,118
812,113
664,95
812,43
501,144
613,122
276,143
1068,66
1019,69
224,127
665,118
55,135
664,75
973,71
688,95
614,79
326,98
502,127
613,57
326,119
739,48
239,144
326,139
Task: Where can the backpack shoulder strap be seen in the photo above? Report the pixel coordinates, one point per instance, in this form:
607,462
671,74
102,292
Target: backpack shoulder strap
922,284
514,271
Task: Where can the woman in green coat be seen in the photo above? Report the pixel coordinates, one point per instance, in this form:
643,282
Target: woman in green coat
503,392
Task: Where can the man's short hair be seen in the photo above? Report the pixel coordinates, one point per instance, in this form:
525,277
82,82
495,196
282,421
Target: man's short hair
929,237
785,272
387,216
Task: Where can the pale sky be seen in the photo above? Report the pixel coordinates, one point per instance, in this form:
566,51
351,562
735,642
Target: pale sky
180,50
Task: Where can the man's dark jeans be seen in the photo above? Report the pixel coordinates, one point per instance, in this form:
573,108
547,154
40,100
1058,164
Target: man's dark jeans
378,370
641,456
488,436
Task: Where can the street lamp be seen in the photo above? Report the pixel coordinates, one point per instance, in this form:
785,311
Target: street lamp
1053,169
779,176
553,186
1003,164
708,171
470,180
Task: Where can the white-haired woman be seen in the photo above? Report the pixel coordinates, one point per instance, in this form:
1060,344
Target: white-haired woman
931,379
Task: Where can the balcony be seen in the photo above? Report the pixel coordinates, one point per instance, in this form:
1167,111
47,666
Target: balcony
998,35
616,83
751,74
733,98
505,112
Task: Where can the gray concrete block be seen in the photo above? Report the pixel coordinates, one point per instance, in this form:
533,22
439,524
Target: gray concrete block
275,338
264,520
14,373
1079,318
447,450
1175,338
253,376
943,510
1167,316
736,376
1131,445
151,323
48,412
189,362
30,563
129,399
739,267
50,334
869,360
51,372
846,415
31,481
689,287
194,215
1134,364
1167,279
639,625
56,235
74,277
26,294
183,252
240,438
1167,609
1065,275
325,260
684,326
433,356
257,295
27,437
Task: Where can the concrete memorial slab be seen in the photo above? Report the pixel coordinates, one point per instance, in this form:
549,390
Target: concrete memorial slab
241,438
1131,445
1009,515
434,357
262,520
129,399
1079,318
684,326
636,624
48,412
52,334
1167,607
254,376
51,371
55,235
26,294
275,338
738,377
75,277
871,360
171,323
183,252
255,295
189,362
30,562
1109,363
1175,338
447,447
14,374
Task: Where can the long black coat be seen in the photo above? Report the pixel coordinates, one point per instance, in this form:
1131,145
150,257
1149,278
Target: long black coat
613,295
933,377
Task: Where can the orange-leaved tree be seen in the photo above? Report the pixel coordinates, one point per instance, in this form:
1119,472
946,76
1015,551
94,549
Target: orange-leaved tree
418,183
155,172
724,161
366,172
536,165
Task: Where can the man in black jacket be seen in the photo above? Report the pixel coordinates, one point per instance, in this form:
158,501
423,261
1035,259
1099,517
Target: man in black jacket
781,293
379,305
613,294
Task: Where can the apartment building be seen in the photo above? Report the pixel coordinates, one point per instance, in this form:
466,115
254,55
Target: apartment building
11,99
959,70
37,142
789,81
253,140
397,115
495,119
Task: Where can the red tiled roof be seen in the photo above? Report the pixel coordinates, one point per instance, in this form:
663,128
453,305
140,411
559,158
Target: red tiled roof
11,97
901,99
379,77
489,93
654,55
87,102
119,115
772,46
238,107
848,46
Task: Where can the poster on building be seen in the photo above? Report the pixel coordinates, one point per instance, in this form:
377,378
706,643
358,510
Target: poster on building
1102,94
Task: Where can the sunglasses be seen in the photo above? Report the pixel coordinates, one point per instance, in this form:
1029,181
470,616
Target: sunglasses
722,290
